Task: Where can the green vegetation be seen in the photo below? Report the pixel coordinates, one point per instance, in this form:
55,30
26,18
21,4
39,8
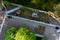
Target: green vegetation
19,1
22,8
57,10
39,4
21,34
9,35
9,4
0,1
24,34
27,9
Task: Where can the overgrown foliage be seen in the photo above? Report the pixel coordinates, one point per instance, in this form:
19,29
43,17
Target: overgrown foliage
21,34
9,35
24,34
27,9
39,4
8,4
57,10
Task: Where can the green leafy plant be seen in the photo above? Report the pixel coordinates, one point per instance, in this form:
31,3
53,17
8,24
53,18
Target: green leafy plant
27,9
25,34
57,9
9,4
39,4
21,34
9,35
0,1
43,6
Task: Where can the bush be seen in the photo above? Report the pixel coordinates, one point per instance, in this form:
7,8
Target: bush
9,35
25,34
19,1
39,4
22,34
57,10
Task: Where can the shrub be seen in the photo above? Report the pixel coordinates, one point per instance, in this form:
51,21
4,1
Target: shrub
9,35
22,34
39,4
57,9
25,34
